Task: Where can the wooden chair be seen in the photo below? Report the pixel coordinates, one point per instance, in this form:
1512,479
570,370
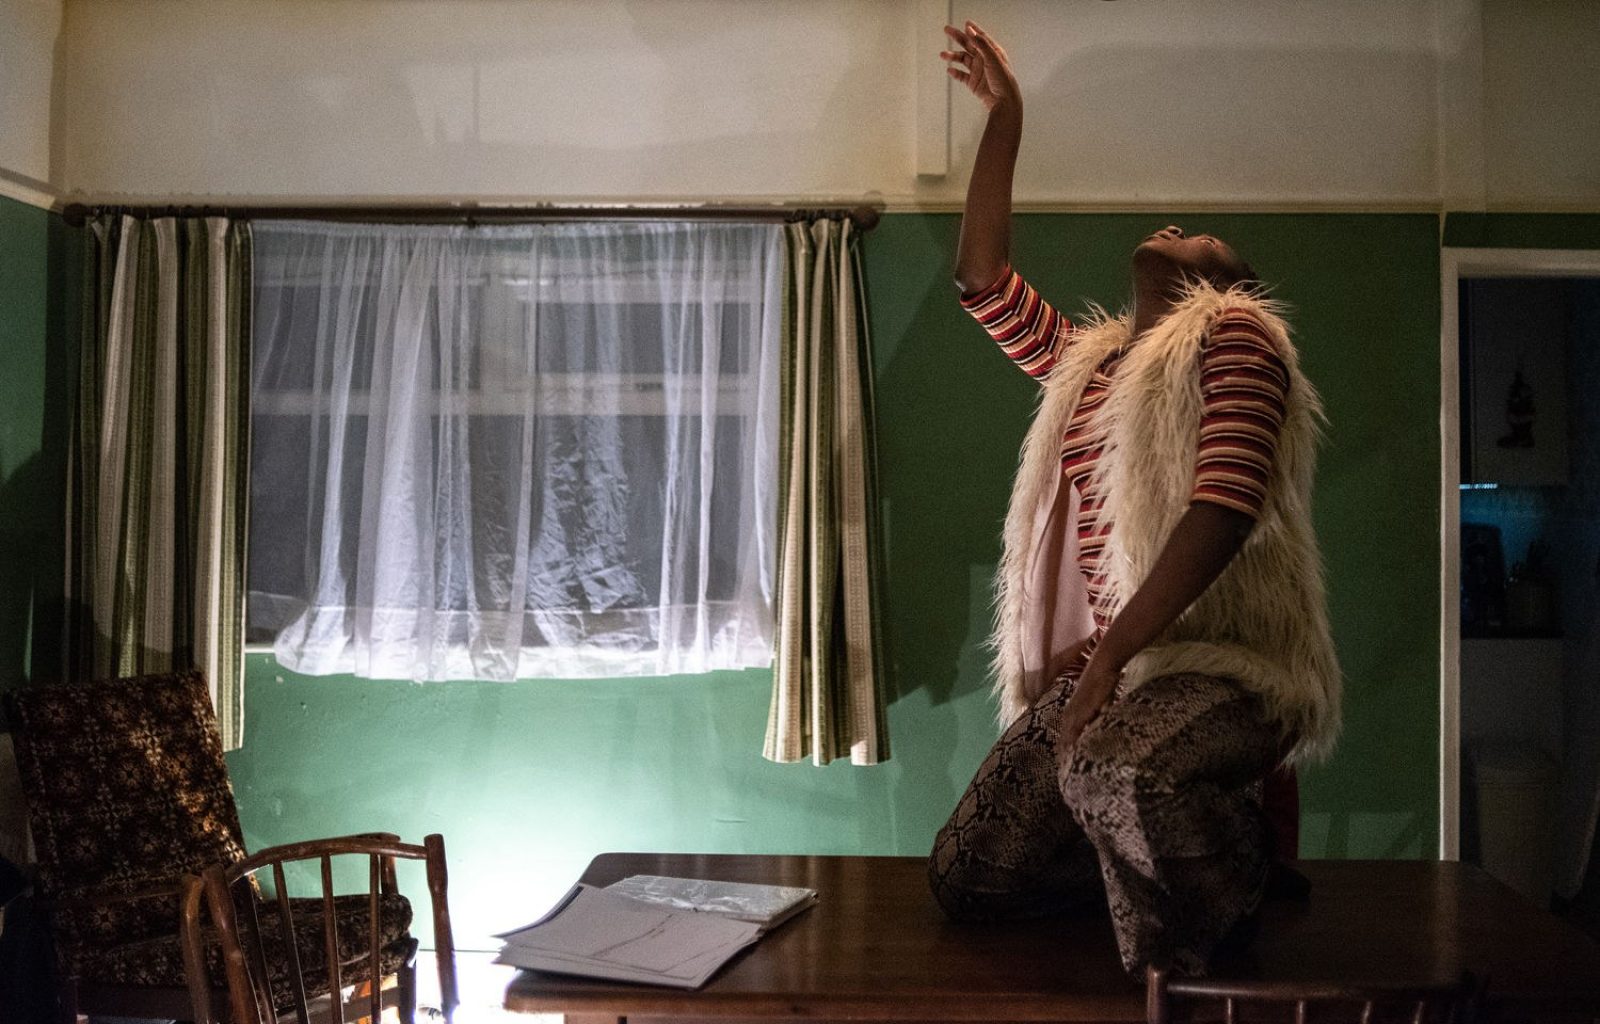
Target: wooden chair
1173,999
295,968
127,794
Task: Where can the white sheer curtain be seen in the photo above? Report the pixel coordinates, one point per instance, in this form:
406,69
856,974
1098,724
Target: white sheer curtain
510,452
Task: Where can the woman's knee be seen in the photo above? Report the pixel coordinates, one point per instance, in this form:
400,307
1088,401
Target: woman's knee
1101,771
957,884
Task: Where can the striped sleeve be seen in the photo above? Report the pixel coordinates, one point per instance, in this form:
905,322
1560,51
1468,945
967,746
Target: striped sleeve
1243,385
1029,330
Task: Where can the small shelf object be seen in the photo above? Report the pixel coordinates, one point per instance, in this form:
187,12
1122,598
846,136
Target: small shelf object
1513,381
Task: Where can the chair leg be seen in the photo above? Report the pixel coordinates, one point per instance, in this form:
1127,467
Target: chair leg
406,982
67,1001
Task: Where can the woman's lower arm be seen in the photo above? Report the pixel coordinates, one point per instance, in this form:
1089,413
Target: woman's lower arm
1200,546
985,245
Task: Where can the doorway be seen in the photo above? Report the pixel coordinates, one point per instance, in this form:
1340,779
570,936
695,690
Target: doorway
1520,560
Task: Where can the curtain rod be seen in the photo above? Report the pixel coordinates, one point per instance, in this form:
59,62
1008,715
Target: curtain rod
864,217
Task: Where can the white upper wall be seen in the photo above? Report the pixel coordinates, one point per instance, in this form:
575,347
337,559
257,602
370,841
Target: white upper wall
1225,100
1541,111
557,98
28,32
1140,102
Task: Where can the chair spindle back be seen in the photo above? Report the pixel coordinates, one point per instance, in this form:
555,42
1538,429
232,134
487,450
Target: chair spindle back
1172,1000
236,911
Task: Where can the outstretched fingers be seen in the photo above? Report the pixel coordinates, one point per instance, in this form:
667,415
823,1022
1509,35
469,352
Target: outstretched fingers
961,64
981,42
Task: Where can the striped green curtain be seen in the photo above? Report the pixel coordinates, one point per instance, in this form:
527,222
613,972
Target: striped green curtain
828,669
159,460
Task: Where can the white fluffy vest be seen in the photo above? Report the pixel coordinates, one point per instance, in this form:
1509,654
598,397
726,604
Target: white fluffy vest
1263,621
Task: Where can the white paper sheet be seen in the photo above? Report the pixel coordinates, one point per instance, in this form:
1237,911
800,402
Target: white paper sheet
600,935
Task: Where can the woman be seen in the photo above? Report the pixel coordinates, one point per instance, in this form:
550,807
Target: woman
1161,635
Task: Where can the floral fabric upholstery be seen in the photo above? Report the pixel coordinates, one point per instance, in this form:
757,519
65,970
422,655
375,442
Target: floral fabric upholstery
127,789
159,961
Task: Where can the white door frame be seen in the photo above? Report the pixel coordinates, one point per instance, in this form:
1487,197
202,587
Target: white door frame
1455,264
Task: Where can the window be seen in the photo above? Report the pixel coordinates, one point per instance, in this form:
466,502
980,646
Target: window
531,451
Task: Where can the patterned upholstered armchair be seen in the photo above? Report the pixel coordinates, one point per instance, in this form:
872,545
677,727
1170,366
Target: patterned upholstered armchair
128,794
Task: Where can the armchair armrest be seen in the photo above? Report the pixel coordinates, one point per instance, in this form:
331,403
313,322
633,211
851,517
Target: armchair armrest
102,895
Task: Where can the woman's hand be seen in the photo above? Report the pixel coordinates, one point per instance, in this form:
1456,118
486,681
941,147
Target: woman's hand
1096,688
982,64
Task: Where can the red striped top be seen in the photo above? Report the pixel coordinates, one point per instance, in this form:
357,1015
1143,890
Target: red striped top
1243,382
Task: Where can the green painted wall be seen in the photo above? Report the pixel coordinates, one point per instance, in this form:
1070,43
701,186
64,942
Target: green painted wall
527,781
38,284
1523,230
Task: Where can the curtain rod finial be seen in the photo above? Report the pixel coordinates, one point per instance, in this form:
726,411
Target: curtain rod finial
866,217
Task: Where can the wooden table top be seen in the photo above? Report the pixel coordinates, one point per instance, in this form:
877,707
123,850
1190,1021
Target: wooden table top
877,946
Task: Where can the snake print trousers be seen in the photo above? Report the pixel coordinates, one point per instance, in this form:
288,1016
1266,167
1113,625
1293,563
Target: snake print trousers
1157,816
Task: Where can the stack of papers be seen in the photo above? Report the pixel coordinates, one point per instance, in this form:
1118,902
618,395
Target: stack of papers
660,931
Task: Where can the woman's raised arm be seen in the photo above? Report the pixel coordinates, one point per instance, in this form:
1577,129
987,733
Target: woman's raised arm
985,247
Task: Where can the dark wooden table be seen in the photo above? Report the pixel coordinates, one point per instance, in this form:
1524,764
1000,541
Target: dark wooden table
877,947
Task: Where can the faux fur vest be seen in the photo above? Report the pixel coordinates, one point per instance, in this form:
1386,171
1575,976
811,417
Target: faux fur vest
1263,621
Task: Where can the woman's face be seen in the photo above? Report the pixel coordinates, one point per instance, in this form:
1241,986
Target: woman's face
1169,255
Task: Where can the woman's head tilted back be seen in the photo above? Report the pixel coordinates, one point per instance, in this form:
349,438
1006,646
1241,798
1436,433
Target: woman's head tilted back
1166,260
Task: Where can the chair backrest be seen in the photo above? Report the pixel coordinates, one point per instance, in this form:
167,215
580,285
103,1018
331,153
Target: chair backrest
279,958
1170,1000
127,792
